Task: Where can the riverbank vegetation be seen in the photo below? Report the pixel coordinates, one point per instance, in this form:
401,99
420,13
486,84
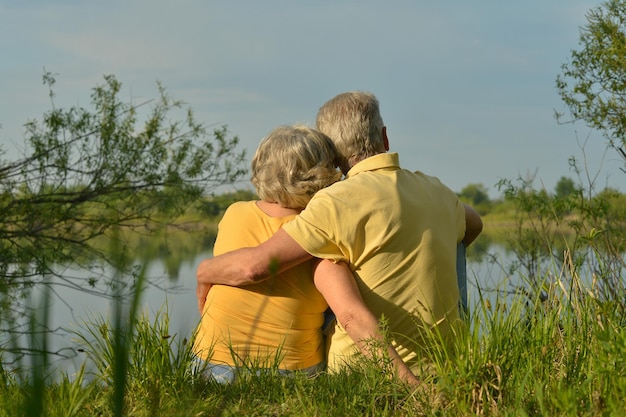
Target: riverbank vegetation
97,188
557,351
553,345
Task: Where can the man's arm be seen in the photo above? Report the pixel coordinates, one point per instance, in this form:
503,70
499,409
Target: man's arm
337,285
249,265
473,225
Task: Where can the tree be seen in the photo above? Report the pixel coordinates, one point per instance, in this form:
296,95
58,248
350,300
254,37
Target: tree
593,84
94,173
215,206
564,187
476,195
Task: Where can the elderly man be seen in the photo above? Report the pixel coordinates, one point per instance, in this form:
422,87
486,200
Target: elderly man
397,229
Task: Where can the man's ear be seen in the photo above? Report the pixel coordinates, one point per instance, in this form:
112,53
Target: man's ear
385,138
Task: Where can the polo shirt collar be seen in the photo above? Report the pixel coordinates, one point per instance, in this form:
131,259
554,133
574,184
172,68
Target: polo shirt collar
388,160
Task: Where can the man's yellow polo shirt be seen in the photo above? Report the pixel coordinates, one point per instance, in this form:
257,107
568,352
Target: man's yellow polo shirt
398,230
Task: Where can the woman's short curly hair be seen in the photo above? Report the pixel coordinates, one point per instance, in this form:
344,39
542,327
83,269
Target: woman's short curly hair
292,163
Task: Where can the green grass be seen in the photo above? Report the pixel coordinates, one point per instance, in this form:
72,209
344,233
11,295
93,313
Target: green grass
563,354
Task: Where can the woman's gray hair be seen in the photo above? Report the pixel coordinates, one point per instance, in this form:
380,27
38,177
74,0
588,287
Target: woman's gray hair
292,163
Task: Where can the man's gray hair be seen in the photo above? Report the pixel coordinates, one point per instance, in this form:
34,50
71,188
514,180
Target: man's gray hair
353,121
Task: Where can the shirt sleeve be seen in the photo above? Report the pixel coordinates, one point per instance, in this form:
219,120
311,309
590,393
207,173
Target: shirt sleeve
315,229
459,208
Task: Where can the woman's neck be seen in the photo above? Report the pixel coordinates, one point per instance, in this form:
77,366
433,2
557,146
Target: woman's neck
275,210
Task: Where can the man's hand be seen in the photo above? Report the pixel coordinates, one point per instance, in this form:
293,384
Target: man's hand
473,225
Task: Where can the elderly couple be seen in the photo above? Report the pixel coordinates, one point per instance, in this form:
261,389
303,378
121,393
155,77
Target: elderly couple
382,242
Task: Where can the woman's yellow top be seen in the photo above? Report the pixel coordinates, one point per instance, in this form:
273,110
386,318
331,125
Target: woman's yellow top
274,322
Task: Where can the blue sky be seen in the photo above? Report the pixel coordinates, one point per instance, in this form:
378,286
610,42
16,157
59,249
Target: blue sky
467,89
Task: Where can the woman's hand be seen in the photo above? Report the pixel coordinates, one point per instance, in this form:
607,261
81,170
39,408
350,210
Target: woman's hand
201,292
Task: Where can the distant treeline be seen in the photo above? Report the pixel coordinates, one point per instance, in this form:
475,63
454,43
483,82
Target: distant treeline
474,194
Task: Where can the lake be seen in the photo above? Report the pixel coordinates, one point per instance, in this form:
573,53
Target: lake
69,308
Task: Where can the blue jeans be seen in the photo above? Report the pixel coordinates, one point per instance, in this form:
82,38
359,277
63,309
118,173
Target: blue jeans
227,374
461,276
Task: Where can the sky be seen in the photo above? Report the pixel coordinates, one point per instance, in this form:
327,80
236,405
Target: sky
467,89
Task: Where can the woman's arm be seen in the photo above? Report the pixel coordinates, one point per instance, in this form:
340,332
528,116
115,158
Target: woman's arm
337,285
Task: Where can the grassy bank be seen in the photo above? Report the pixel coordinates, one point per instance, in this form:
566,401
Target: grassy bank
556,348
563,354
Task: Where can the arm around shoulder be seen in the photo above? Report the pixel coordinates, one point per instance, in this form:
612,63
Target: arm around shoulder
250,265
247,266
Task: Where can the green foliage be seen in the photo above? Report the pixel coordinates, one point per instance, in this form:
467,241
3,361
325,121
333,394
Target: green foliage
92,172
476,195
539,356
565,188
70,396
560,354
591,228
213,207
157,366
593,84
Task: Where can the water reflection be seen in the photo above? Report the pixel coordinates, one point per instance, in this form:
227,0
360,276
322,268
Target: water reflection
64,301
171,259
